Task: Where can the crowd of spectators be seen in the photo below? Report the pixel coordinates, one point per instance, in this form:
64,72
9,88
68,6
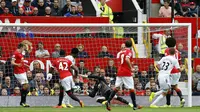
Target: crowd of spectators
184,8
41,8
145,81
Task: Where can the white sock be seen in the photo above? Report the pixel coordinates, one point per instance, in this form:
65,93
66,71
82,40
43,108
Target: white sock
159,93
158,99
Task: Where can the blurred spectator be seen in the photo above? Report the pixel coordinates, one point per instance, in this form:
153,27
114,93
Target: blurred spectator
67,8
24,32
183,53
35,11
108,81
96,70
196,53
73,13
41,52
136,72
82,53
104,53
3,5
193,10
106,10
33,92
151,83
82,69
41,89
151,71
102,73
41,8
56,92
14,8
153,87
48,3
185,4
196,76
8,85
4,92
16,92
165,11
28,9
80,10
148,92
55,9
21,12
29,76
111,70
46,91
57,49
37,81
143,78
37,68
136,81
1,76
6,12
139,91
47,11
177,8
161,46
85,89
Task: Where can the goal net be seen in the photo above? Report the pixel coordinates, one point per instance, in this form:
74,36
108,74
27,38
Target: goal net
98,46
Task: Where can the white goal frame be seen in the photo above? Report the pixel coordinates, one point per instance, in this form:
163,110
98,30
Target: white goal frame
188,25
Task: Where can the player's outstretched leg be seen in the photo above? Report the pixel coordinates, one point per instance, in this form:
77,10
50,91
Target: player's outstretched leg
153,95
100,100
24,92
72,96
133,98
61,95
66,102
107,103
123,100
179,93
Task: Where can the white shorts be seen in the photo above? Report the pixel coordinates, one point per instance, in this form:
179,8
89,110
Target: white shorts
127,81
164,81
22,78
67,83
175,78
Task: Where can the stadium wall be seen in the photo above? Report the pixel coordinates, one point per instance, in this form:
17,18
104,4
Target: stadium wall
7,101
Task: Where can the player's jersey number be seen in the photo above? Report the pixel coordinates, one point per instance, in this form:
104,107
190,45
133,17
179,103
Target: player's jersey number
165,65
63,66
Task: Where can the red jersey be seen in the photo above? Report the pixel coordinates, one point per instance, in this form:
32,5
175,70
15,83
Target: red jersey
140,92
19,59
63,66
124,69
177,55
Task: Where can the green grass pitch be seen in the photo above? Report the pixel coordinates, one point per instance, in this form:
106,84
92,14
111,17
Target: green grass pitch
96,109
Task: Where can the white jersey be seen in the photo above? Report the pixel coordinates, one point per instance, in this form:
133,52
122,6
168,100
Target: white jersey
167,63
71,58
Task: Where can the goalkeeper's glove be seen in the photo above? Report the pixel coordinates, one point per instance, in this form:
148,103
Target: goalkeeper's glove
49,76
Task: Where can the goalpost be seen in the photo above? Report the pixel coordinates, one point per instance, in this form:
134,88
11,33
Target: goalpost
92,37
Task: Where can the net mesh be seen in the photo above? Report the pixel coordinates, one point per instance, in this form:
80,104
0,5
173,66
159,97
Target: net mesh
98,48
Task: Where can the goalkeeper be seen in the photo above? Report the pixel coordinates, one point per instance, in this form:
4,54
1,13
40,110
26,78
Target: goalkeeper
105,91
